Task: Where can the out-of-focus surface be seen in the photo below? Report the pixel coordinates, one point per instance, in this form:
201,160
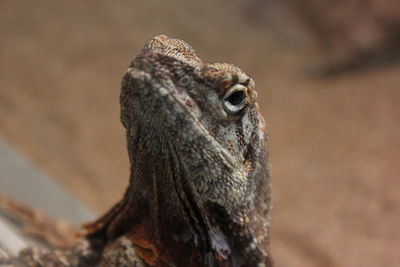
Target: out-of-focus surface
22,181
350,34
335,145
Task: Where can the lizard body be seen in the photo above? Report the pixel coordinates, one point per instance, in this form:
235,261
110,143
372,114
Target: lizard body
199,191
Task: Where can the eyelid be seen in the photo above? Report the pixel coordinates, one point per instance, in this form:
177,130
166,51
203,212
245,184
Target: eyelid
234,109
235,88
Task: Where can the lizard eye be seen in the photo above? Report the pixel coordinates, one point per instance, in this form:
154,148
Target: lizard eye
235,99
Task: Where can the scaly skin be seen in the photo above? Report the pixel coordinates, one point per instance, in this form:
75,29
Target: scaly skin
199,192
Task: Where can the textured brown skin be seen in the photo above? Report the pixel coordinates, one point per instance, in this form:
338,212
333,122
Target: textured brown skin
199,192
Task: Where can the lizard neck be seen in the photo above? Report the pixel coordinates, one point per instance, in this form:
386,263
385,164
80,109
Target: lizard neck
159,215
167,224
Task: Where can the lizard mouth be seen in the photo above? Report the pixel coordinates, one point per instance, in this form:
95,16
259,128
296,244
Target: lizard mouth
156,102
160,103
171,105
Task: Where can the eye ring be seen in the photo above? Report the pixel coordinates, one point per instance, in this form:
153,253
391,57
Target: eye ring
235,99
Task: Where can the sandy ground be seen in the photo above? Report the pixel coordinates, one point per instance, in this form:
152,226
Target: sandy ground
335,145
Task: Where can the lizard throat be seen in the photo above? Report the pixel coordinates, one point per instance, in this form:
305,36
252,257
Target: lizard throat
160,208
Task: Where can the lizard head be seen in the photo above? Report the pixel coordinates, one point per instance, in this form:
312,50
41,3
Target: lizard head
195,137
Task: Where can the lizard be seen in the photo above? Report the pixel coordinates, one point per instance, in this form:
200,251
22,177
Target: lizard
199,192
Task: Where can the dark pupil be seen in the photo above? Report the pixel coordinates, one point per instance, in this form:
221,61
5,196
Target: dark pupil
236,98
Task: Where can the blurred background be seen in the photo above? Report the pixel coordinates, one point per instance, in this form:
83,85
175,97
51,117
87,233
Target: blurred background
328,79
